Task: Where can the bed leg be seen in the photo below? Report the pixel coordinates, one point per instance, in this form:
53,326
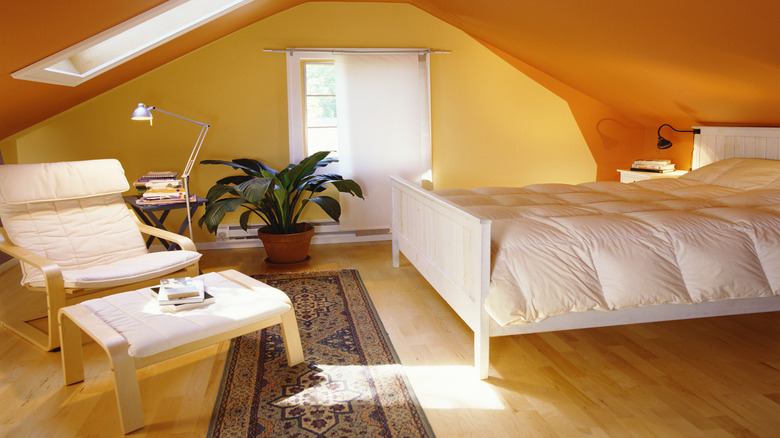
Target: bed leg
396,254
482,349
481,355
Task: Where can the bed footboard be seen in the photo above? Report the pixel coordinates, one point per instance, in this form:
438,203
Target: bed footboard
451,249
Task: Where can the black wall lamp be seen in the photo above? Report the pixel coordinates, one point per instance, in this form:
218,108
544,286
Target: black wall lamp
666,144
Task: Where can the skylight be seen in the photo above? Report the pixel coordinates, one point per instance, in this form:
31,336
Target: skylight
106,50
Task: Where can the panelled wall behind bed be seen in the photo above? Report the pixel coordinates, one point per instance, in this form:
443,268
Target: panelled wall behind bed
549,257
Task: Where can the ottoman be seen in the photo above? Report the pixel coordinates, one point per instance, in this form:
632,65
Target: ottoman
135,333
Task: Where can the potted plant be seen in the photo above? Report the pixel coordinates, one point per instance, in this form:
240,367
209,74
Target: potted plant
278,199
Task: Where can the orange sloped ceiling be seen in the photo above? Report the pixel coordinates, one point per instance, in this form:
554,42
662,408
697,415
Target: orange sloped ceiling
33,30
652,61
711,62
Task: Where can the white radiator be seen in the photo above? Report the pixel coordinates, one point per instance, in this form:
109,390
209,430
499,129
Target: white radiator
234,232
232,235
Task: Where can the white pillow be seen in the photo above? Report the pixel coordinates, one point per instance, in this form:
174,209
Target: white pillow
739,173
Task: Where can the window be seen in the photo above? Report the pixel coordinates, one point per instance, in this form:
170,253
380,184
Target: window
373,107
320,119
305,71
123,42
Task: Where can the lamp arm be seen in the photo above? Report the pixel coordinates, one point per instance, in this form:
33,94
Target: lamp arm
154,108
695,131
204,128
195,150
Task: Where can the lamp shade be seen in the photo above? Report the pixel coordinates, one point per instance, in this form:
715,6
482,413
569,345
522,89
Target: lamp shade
663,143
141,113
666,144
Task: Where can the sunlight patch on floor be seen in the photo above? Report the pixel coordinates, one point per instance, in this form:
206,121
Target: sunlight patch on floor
452,387
436,387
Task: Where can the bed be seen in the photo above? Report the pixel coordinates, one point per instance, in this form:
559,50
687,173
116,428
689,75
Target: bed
550,257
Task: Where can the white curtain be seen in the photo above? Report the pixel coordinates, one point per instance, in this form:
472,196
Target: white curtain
384,129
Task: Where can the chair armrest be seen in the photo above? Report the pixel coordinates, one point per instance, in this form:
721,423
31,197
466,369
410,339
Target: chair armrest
182,241
45,265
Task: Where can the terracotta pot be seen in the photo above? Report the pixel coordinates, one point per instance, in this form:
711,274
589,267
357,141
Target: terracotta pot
287,249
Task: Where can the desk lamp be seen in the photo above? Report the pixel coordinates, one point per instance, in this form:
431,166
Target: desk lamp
666,144
143,112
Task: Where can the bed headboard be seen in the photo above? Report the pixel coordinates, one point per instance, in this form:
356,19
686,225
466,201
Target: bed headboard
715,143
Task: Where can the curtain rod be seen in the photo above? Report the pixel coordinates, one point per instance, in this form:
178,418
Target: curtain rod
356,51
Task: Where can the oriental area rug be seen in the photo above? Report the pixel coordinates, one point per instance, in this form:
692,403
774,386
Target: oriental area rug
350,385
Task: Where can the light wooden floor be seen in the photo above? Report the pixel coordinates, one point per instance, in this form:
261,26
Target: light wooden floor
714,377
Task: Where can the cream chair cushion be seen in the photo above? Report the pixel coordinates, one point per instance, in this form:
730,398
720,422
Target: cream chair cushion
73,214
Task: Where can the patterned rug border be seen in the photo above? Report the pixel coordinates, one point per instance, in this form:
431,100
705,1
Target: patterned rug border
379,324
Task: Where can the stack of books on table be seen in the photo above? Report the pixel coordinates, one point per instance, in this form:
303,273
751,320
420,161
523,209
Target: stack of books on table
156,179
182,293
653,165
162,191
163,196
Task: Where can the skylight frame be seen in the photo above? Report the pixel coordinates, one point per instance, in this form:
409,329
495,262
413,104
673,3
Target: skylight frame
125,41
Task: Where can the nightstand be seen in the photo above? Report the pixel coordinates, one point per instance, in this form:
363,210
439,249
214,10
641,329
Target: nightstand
629,176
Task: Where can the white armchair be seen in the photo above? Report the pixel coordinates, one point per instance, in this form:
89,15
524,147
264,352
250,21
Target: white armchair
76,239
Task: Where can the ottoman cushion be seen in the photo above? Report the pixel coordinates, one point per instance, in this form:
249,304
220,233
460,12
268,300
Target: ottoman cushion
136,315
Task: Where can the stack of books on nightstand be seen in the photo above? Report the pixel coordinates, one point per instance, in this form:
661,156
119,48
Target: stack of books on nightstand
653,165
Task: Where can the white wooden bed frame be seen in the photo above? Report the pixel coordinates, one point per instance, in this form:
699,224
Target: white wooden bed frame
451,249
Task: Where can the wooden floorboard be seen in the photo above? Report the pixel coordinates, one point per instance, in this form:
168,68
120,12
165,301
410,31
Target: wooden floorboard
714,377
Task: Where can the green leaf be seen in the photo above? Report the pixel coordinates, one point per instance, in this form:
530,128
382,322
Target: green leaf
243,220
348,186
329,205
216,211
307,166
257,166
217,191
234,179
247,165
254,190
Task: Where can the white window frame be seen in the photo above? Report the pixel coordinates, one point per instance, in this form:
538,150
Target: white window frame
295,113
295,98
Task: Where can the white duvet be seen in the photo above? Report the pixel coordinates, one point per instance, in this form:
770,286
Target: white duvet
712,234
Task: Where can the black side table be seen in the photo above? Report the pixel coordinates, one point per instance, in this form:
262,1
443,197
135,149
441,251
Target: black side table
147,215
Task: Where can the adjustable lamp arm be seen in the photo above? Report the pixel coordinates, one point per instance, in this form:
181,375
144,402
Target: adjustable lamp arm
154,108
143,112
666,144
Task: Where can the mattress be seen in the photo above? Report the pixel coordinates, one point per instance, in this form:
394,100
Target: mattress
712,234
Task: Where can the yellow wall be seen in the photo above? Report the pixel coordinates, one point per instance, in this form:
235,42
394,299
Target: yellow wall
615,140
492,124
